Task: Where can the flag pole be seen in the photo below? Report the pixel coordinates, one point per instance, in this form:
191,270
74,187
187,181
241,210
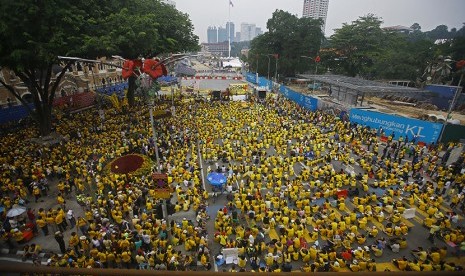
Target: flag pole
229,28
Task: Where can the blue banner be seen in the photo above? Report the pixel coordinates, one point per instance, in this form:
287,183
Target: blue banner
261,82
305,101
14,113
264,82
423,131
251,77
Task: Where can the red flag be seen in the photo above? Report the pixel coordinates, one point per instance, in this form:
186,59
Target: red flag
317,59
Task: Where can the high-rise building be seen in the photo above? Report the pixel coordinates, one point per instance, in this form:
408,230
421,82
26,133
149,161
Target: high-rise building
237,38
230,28
317,9
222,34
212,35
248,31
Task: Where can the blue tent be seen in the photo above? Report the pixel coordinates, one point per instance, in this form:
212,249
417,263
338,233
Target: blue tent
216,179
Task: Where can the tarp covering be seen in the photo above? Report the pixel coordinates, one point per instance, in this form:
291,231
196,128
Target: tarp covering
234,63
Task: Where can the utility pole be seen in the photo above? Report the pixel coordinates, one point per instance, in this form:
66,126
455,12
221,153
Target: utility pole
276,69
268,76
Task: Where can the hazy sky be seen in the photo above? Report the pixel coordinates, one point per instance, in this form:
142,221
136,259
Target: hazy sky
428,13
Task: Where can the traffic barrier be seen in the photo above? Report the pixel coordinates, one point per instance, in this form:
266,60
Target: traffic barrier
76,101
212,78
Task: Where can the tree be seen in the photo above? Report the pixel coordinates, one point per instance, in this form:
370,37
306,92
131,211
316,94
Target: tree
32,37
236,47
440,32
144,29
416,33
402,58
358,43
290,38
35,32
416,27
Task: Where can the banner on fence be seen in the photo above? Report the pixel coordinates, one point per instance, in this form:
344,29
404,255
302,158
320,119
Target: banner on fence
260,81
427,132
14,113
305,101
251,77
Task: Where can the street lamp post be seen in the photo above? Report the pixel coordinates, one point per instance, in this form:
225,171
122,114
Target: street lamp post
154,135
269,60
276,69
268,74
164,208
256,70
173,109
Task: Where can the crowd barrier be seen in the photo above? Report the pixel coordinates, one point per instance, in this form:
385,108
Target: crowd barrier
453,133
75,101
260,81
14,113
118,88
305,101
212,78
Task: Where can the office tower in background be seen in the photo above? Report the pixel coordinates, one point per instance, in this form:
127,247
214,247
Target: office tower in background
316,9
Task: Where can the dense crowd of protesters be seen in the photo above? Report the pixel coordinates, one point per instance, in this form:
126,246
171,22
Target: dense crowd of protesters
276,215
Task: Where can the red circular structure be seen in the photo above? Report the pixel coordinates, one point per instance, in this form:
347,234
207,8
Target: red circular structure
127,164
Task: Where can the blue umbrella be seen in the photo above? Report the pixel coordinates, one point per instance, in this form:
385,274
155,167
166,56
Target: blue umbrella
216,179
309,154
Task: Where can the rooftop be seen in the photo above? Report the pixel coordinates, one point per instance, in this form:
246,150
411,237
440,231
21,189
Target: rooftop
361,85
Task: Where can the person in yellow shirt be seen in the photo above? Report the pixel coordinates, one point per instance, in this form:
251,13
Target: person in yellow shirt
59,219
61,201
110,259
82,225
74,241
17,235
242,261
126,259
42,224
401,264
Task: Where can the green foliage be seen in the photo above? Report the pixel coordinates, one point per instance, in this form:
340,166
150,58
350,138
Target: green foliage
290,37
236,47
358,44
363,49
139,28
35,32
